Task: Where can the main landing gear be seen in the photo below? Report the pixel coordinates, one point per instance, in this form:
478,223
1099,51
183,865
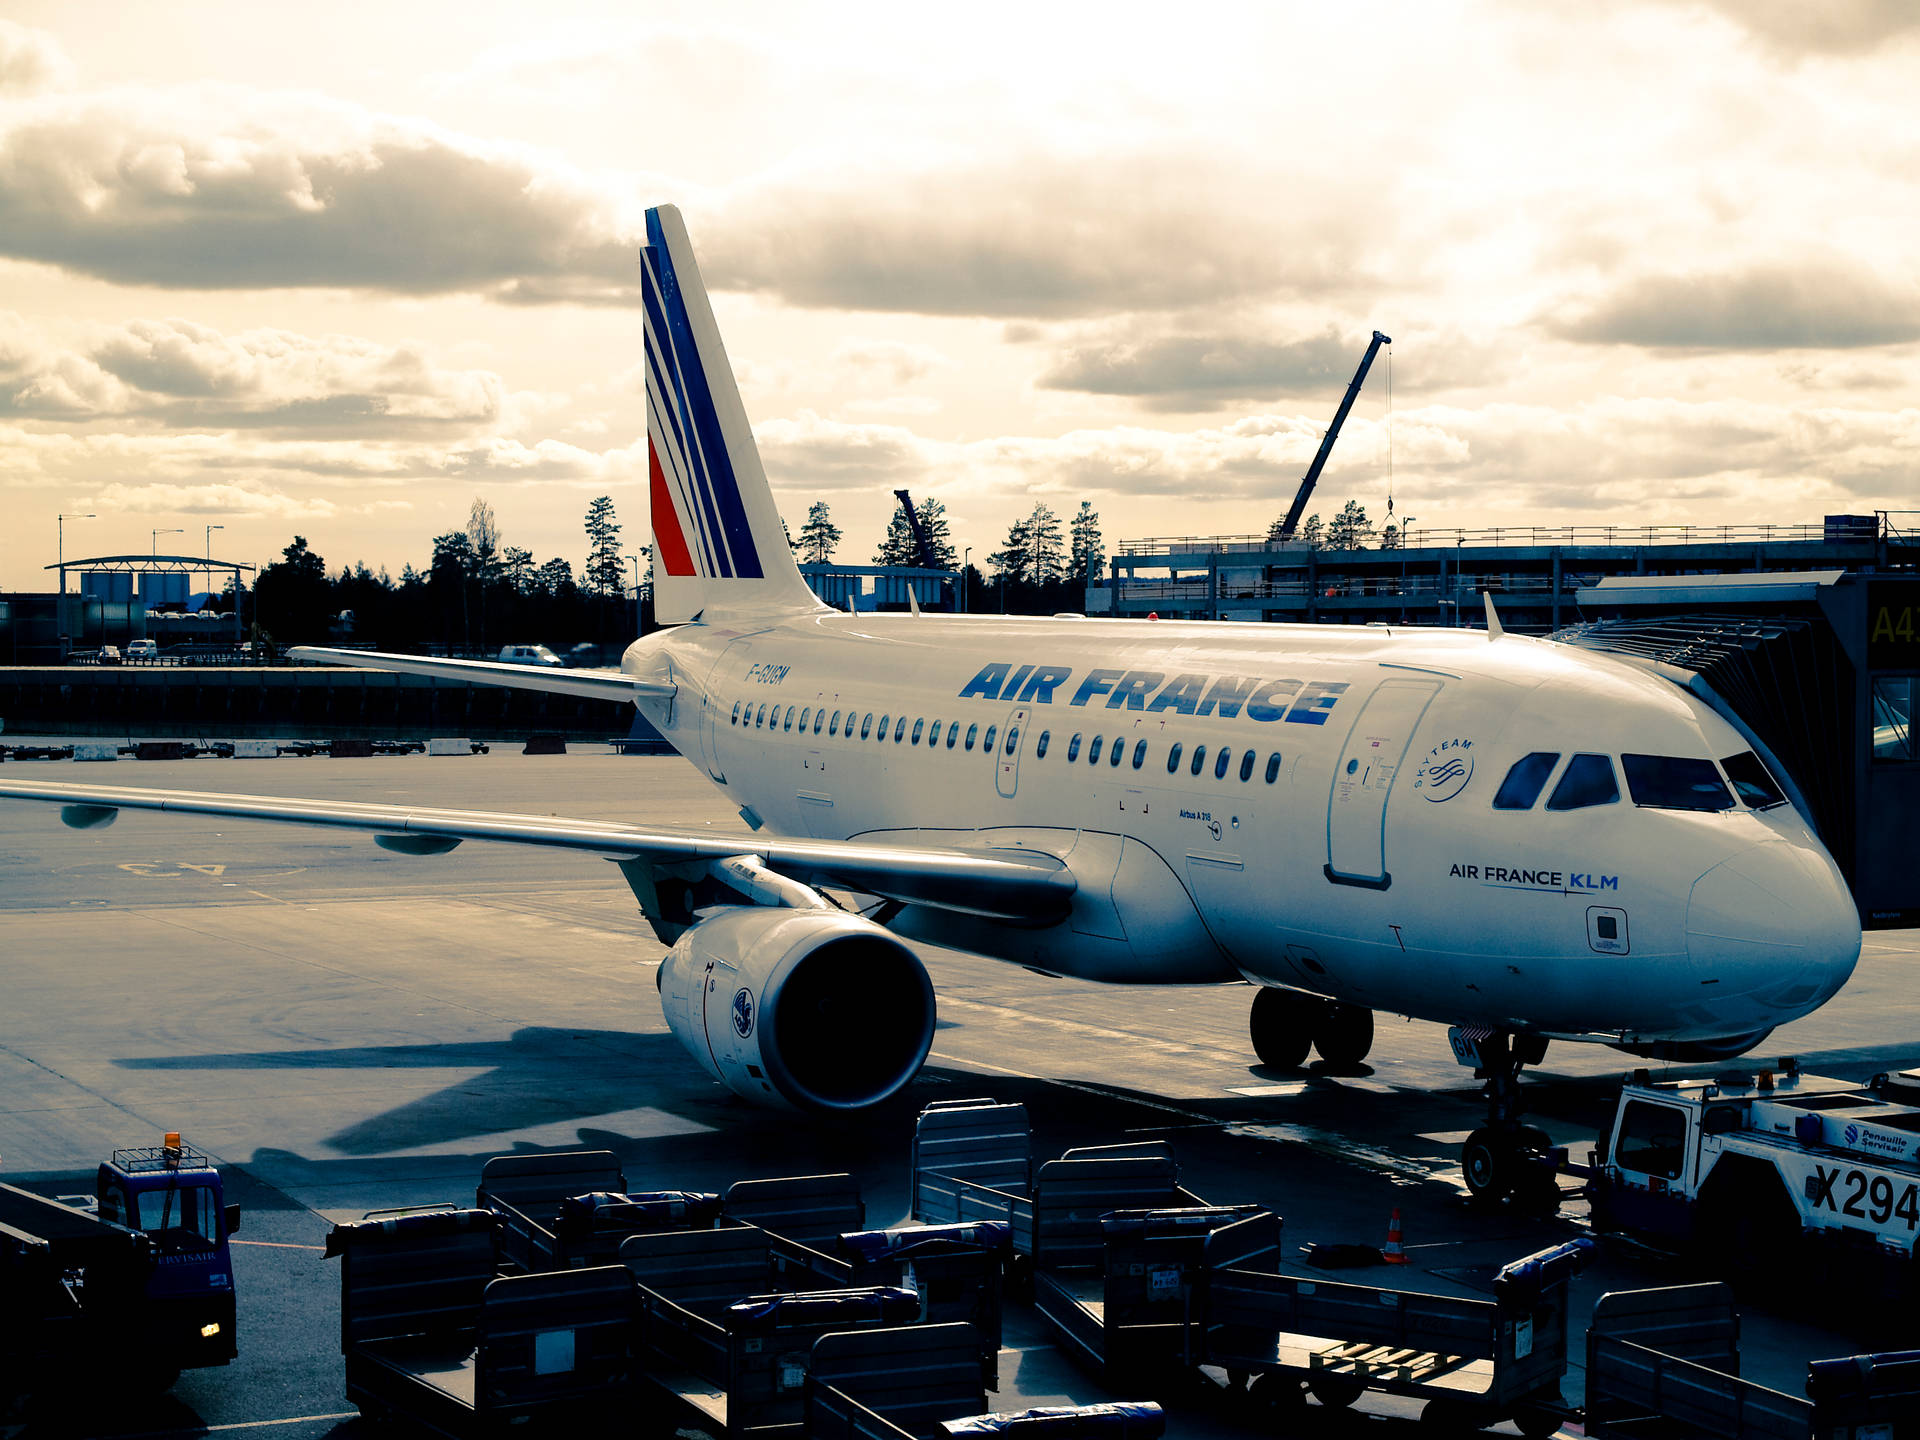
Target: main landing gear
1287,1023
1500,1159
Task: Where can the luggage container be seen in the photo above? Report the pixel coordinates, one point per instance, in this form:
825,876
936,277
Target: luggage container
1140,1311
724,1354
892,1384
571,1209
1474,1362
432,1336
1666,1363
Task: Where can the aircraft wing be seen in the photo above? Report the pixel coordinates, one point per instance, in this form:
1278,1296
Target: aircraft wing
998,883
595,684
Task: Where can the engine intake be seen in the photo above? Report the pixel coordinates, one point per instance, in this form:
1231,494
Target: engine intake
808,1009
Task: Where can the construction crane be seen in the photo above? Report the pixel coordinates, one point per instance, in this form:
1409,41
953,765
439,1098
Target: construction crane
1312,476
922,547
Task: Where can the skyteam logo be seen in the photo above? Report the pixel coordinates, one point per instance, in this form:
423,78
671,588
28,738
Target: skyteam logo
700,525
1446,770
743,1012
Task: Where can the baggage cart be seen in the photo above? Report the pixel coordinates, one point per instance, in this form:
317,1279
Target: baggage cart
892,1384
1474,1362
727,1356
430,1334
571,1209
1666,1363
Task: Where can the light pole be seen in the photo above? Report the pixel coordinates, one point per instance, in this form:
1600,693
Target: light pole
158,533
210,561
966,564
60,538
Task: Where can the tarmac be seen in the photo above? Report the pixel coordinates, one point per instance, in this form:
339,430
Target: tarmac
346,1029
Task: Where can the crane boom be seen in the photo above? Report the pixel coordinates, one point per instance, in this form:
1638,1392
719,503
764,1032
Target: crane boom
922,547
1312,476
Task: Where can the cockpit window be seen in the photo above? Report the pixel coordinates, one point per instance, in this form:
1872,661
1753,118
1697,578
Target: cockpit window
1588,781
1751,782
1525,780
1669,782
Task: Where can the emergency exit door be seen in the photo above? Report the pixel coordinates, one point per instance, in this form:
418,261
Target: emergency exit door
1372,756
1007,763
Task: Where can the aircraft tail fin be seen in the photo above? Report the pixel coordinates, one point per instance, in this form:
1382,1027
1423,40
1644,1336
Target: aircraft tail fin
718,542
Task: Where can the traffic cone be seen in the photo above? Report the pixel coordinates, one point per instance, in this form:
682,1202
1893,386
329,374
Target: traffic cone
1393,1252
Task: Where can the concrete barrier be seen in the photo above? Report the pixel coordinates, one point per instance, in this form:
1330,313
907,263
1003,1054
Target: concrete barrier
97,750
461,746
256,750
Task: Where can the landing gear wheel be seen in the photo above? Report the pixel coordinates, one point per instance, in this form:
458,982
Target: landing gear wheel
1282,1024
1344,1035
1336,1392
1486,1162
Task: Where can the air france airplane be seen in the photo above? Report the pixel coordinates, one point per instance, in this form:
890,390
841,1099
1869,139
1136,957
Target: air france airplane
1519,839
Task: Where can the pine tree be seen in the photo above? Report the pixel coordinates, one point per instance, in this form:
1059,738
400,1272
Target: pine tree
1044,561
516,568
896,546
555,577
605,572
933,520
1314,532
1350,528
819,537
1088,551
1012,564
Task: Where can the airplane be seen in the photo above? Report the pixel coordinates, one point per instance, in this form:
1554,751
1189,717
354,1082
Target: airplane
1520,839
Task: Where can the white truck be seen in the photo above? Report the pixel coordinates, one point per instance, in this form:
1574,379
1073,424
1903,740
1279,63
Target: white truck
1767,1166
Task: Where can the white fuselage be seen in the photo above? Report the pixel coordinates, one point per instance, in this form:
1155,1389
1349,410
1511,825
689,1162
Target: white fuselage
1365,863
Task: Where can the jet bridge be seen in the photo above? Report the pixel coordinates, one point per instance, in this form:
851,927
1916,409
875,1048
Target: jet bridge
1820,669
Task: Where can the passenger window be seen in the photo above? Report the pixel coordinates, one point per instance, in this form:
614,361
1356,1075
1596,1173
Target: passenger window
1246,767
833,728
1672,782
918,726
761,718
1653,1139
1588,781
885,720
953,734
1199,760
986,744
1892,722
1013,737
1040,745
736,712
1525,780
1751,782
1273,767
1073,749
803,719
787,724
1173,758
866,725
1139,754
1093,750
1221,762
820,715
973,730
1115,755
900,728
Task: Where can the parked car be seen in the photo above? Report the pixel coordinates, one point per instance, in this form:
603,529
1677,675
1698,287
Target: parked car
109,655
530,655
143,650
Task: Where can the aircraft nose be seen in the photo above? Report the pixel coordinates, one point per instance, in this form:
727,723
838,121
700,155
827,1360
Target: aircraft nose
1775,923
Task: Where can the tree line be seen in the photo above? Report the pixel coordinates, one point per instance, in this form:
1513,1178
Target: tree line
1350,530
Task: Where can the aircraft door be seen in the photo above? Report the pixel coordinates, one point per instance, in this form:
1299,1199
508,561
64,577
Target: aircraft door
1007,762
715,701
1357,805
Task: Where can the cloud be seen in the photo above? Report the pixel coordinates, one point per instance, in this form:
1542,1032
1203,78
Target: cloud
1835,305
1037,237
186,374
244,193
1828,27
234,500
31,61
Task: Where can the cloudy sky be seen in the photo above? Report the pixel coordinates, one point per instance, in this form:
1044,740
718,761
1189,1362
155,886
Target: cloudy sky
339,270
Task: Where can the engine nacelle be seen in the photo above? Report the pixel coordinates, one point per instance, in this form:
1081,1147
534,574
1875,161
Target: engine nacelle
1697,1052
808,1009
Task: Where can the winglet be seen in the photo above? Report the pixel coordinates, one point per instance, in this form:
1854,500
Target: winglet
1494,628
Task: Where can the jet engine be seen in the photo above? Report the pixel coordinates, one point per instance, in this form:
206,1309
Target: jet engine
811,1010
1697,1052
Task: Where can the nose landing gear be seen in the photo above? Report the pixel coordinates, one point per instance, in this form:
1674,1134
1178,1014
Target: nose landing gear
1285,1024
1495,1159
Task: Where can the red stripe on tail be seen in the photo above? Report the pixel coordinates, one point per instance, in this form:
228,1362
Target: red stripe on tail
667,537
